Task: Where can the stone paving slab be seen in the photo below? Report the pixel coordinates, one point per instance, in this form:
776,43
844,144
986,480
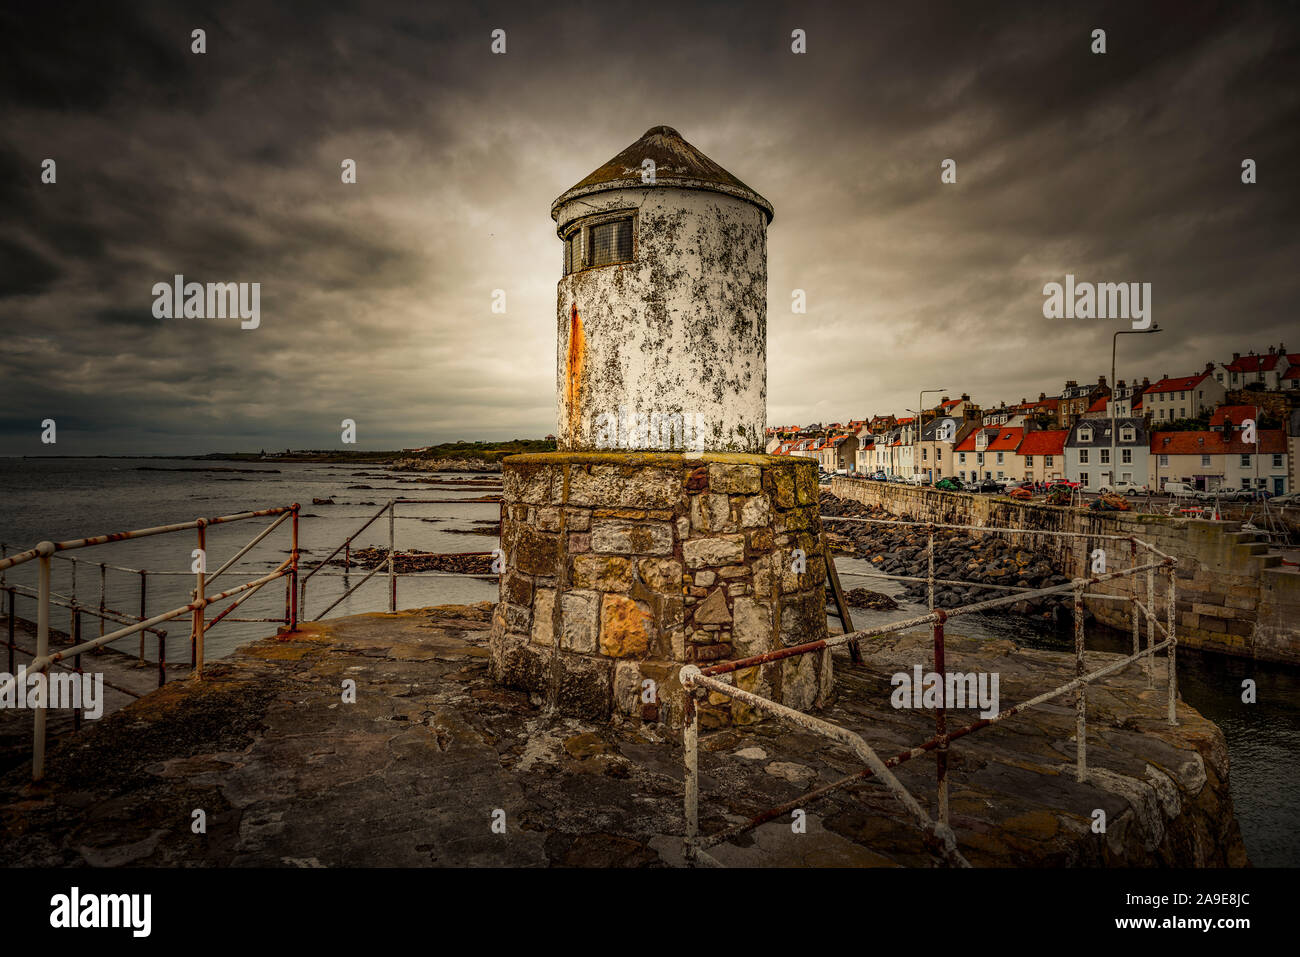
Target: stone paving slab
412,773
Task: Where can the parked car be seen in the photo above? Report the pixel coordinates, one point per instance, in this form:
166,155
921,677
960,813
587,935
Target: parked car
970,486
880,477
1287,498
1124,488
989,485
1179,490
1251,494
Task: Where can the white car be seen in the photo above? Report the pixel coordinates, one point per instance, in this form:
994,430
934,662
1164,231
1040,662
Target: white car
1124,488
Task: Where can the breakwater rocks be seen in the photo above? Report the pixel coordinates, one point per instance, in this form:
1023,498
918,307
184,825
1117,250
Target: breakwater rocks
463,563
896,549
443,465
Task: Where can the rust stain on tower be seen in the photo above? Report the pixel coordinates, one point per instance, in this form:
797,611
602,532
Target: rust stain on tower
573,369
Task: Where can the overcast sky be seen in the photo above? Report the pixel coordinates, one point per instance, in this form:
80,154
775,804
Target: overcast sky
376,297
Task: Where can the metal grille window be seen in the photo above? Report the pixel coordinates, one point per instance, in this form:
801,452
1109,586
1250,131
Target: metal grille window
573,252
611,242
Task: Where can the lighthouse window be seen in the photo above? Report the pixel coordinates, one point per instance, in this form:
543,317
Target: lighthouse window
573,252
611,242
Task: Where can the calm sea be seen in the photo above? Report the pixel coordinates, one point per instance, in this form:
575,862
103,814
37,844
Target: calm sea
59,499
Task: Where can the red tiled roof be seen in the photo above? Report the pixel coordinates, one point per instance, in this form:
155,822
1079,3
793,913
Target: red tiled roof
1236,414
1044,442
1253,363
1100,404
1181,384
1271,441
1006,441
1294,371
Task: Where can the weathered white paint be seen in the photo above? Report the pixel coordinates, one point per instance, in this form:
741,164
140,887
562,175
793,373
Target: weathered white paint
682,329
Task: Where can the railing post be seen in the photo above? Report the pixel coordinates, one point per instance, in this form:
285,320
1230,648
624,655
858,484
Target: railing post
690,742
1081,696
293,574
930,571
11,630
162,659
143,616
199,610
1133,560
46,549
1148,665
76,665
392,566
103,585
941,719
1173,645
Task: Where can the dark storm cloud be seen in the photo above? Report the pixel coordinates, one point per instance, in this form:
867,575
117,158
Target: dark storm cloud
376,296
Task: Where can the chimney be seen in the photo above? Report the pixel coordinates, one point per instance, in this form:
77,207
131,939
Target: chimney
944,399
1236,356
1146,383
965,396
1101,381
1042,397
1209,367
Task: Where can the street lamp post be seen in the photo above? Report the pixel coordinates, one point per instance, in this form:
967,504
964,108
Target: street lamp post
1114,342
920,399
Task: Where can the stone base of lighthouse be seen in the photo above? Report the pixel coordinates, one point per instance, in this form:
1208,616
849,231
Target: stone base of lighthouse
621,567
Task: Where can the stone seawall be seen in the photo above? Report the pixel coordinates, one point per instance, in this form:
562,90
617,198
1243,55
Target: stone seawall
1234,597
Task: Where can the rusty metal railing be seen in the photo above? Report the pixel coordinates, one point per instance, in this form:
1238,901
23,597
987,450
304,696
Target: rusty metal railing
45,551
940,837
388,564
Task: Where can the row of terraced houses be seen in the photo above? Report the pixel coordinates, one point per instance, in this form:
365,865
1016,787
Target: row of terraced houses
1195,429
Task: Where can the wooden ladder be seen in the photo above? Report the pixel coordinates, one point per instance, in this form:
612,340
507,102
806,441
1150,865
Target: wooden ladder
835,597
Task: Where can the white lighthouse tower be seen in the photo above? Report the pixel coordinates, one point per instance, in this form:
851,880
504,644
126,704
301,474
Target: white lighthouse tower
662,308
658,535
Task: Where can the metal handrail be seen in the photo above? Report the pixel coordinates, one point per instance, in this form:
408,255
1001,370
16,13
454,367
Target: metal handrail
699,682
43,552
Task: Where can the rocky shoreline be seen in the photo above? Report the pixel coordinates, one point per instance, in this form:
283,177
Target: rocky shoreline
443,465
901,550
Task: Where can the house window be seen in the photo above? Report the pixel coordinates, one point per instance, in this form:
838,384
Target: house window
999,460
1205,461
1126,456
1182,412
1105,456
961,457
1083,479
1127,435
979,458
1085,435
1083,456
1277,461
1047,461
1164,461
1245,461
611,242
1029,461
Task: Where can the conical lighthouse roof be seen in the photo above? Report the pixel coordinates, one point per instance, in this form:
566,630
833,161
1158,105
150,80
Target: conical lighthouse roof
677,164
